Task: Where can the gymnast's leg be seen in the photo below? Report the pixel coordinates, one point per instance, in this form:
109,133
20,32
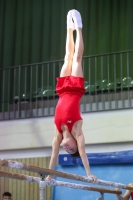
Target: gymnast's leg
67,66
77,59
79,46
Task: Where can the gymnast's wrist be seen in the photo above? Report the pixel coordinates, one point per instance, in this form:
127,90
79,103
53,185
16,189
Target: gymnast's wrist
88,173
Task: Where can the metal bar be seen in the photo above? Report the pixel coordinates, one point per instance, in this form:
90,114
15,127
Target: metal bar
59,68
8,93
25,91
52,182
103,97
121,71
42,186
36,90
108,66
31,91
3,95
14,89
40,170
42,83
19,92
129,100
61,60
53,87
105,54
96,94
116,105
48,85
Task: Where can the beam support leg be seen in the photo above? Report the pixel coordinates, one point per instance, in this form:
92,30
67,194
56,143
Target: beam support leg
42,186
102,197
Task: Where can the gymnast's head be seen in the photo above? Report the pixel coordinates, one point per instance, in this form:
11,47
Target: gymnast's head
69,143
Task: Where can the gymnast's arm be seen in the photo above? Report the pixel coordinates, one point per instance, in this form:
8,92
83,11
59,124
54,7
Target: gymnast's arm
55,150
120,197
81,147
127,194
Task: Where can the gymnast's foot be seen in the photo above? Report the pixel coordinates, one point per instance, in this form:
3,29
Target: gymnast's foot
70,23
77,19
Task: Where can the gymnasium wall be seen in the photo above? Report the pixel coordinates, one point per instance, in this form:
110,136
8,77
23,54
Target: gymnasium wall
101,129
31,31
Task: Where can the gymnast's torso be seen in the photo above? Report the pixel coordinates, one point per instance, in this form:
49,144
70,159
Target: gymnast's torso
70,90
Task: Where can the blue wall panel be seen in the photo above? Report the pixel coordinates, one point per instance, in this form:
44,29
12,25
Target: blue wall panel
98,158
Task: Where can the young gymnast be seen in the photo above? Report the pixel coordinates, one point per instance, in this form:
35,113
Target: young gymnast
70,88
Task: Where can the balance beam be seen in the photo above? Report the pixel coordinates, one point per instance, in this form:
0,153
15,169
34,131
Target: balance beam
45,171
57,183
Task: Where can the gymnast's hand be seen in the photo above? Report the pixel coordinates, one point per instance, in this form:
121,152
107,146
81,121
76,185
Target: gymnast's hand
95,179
49,177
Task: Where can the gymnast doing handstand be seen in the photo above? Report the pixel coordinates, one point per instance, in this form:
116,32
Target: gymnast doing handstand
70,88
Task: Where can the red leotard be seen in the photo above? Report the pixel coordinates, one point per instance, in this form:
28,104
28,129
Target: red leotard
132,195
70,90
